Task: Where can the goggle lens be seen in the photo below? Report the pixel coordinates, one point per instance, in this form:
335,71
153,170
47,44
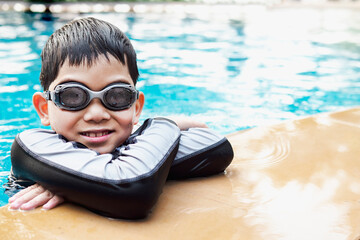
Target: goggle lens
73,97
118,97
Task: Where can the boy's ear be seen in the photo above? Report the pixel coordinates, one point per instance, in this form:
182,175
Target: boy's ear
41,107
139,104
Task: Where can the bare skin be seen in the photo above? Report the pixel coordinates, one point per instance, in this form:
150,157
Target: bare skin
33,197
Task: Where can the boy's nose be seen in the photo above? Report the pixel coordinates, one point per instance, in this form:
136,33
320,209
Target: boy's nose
96,112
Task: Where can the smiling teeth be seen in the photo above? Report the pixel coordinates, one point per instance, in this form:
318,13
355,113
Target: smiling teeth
95,134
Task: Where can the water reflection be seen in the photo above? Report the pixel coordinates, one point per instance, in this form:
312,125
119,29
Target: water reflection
268,69
298,211
235,71
311,192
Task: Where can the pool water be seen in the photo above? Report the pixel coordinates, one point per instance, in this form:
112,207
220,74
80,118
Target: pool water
232,71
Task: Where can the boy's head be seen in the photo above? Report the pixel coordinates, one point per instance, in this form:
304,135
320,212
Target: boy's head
89,73
82,41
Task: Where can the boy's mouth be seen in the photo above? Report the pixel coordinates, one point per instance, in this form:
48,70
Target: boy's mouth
95,134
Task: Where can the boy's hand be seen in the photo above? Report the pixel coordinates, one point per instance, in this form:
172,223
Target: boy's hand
185,123
33,197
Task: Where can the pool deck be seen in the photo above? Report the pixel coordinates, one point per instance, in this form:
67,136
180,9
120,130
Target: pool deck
295,180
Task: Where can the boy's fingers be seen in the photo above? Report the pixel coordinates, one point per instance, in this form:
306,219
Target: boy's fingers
23,192
34,196
37,201
185,123
27,196
53,202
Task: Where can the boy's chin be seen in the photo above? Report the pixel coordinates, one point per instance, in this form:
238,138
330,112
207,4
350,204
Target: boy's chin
102,150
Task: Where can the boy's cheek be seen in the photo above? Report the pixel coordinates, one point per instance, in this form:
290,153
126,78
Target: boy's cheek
62,122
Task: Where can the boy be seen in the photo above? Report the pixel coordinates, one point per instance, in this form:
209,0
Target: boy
89,73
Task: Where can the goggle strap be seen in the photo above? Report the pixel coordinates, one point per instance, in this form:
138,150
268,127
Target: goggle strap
47,95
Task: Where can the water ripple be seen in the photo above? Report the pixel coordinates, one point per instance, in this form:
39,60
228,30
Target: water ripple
254,148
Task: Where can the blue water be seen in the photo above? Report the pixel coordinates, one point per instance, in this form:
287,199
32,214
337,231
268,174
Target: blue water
259,67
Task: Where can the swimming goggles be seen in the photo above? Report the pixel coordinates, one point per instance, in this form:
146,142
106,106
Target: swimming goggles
75,96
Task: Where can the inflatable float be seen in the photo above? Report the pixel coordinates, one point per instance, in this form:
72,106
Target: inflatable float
295,180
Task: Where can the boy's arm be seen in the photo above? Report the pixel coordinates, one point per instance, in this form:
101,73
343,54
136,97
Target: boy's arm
125,186
202,152
36,195
184,123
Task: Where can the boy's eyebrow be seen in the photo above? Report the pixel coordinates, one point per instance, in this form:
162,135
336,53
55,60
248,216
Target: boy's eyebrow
84,84
121,81
69,80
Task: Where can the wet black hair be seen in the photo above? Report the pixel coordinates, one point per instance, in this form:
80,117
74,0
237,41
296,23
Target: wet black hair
82,41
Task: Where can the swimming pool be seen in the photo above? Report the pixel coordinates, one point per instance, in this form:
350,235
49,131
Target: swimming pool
259,66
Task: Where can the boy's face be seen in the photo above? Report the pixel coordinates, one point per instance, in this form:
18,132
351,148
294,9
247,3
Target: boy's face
95,126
